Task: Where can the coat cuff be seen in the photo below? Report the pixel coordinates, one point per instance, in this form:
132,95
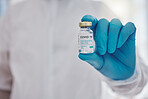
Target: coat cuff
131,86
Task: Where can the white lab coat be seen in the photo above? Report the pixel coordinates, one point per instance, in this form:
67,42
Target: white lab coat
38,54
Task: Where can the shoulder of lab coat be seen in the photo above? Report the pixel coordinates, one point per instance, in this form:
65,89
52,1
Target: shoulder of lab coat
132,86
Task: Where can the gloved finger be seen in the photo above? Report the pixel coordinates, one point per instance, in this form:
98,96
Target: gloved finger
101,36
90,19
93,59
114,30
127,32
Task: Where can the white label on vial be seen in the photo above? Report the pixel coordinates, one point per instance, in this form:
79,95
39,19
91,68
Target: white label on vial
86,42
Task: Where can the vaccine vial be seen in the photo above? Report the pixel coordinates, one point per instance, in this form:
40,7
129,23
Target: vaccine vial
86,43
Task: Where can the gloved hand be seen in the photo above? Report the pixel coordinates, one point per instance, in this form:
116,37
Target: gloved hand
3,7
115,55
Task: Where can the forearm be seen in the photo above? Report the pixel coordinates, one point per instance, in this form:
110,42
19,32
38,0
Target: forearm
131,86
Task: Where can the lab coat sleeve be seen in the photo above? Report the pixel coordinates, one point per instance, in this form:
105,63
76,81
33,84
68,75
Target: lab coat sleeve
133,85
5,75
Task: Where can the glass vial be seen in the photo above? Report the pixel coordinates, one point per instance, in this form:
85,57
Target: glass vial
86,43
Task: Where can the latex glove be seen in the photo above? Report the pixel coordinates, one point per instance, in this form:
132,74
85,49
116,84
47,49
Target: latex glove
115,48
3,7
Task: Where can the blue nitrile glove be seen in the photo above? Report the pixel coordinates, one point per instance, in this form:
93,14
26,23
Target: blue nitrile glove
115,55
3,7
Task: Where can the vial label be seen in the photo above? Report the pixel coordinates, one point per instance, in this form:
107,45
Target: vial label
86,42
